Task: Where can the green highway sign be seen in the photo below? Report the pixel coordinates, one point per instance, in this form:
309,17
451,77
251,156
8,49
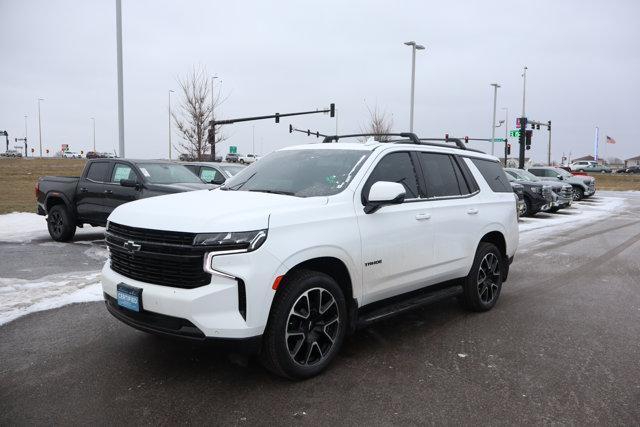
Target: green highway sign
514,133
499,140
233,149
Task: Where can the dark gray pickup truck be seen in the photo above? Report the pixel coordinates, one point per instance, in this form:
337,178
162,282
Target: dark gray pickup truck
70,202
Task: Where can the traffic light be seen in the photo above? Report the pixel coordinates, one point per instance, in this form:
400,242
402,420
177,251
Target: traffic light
277,117
522,122
529,133
332,110
508,149
549,125
211,135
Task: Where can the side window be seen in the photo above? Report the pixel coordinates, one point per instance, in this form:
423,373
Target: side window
494,174
550,173
395,167
192,168
122,171
536,172
443,177
97,171
208,174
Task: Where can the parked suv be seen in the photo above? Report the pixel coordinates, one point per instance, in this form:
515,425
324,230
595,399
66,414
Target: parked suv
583,186
562,193
311,242
537,197
232,157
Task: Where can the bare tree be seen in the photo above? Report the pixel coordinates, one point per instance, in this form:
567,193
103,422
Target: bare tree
379,122
197,108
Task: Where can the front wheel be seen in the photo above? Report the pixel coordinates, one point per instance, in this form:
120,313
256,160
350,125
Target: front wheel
306,327
578,194
482,286
61,224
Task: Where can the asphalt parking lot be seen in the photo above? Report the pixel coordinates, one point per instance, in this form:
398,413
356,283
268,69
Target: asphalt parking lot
561,346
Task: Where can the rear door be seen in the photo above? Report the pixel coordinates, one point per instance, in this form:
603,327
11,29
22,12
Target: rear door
397,240
456,212
90,192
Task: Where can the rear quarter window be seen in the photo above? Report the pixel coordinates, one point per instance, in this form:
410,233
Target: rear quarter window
493,173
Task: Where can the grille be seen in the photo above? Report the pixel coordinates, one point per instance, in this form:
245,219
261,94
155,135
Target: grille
566,192
165,258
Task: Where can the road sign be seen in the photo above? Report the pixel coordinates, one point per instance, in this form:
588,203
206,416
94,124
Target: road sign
233,149
514,133
499,140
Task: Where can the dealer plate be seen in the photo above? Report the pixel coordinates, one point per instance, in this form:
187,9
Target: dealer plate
129,297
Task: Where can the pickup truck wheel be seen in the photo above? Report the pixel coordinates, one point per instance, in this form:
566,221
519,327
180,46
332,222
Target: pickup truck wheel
306,326
528,211
481,288
60,223
578,193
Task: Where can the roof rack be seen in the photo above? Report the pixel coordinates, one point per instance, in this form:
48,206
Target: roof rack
412,136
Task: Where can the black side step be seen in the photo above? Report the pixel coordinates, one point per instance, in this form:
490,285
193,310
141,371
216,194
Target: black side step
394,306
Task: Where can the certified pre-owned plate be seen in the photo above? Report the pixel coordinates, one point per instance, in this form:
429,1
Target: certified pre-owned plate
129,297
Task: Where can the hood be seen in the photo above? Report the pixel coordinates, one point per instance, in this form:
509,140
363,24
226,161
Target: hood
178,187
553,184
208,210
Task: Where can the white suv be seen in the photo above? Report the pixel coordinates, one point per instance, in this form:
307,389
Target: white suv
248,158
312,242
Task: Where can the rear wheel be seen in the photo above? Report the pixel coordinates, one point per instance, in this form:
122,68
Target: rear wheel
554,209
306,326
61,224
482,286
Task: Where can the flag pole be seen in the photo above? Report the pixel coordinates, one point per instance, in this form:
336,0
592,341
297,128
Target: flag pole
595,156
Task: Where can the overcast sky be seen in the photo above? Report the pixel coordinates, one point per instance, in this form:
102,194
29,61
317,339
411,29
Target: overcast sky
280,56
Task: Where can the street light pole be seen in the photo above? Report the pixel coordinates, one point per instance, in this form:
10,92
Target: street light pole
119,65
170,92
506,133
524,89
493,122
414,47
93,120
39,126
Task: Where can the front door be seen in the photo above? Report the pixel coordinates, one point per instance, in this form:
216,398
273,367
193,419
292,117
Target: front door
116,194
397,240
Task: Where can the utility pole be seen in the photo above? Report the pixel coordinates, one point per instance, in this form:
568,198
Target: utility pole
595,156
170,92
93,120
493,121
119,65
213,117
524,89
39,126
414,47
506,134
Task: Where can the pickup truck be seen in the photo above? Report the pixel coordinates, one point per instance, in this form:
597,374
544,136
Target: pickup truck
70,202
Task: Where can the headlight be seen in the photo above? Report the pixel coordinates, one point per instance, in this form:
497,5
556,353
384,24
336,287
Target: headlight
536,190
246,241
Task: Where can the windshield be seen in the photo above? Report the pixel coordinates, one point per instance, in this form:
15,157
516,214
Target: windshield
231,170
562,172
301,173
525,175
167,173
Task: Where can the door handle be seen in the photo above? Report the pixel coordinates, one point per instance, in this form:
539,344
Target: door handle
83,189
473,211
108,192
422,216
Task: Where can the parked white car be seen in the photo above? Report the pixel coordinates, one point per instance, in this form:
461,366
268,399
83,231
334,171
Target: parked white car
248,158
311,243
71,155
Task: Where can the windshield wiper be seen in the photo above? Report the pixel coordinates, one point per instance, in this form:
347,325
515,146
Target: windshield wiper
286,193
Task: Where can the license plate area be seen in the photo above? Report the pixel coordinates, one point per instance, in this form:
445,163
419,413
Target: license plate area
129,297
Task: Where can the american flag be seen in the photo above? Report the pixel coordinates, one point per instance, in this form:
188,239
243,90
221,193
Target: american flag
610,140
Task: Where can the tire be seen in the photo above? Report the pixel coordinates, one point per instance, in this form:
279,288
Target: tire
294,346
554,209
61,224
578,193
528,211
482,296
242,161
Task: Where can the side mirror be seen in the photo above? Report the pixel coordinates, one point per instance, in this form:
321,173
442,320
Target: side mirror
384,193
560,177
130,183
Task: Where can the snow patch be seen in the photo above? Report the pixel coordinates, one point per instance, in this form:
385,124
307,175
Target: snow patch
23,227
19,297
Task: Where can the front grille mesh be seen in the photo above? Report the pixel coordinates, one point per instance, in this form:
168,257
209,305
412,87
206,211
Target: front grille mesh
165,258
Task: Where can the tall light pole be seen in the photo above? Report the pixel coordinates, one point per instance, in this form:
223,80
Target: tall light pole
93,120
39,126
170,92
524,88
119,61
493,121
506,133
213,105
414,47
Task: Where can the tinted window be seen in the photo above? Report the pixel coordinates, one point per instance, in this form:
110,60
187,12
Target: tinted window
494,174
442,176
192,168
97,171
395,167
536,172
122,171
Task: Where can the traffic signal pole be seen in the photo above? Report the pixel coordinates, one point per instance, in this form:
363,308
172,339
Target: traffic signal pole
549,145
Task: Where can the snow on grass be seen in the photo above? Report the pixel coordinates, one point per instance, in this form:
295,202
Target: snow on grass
544,224
23,227
19,297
